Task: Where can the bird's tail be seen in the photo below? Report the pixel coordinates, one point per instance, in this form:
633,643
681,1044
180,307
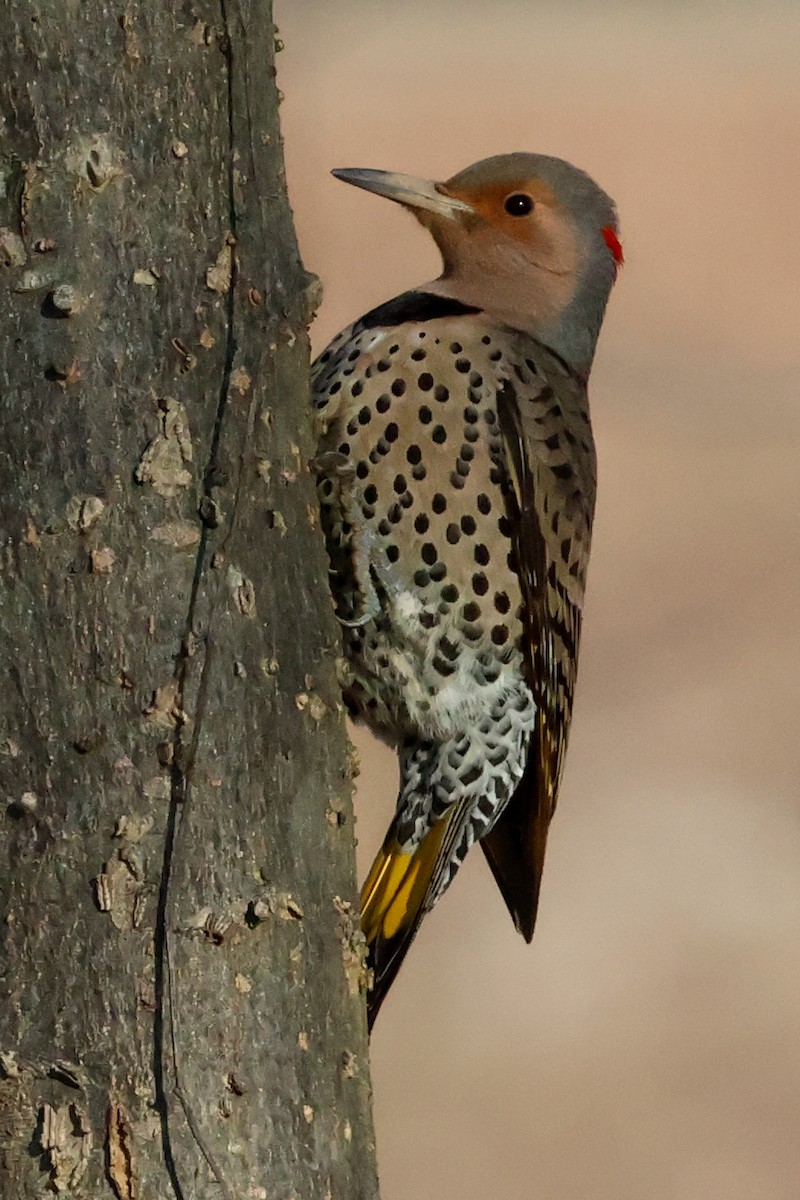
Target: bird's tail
399,890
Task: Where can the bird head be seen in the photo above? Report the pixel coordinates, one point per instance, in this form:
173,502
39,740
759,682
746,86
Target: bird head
527,238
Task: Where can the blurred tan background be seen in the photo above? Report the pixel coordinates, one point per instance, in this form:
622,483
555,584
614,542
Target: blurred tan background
647,1045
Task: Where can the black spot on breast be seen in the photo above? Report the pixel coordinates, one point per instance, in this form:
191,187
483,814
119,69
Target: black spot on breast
491,671
450,650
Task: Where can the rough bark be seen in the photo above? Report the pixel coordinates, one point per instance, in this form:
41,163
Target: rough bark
180,1010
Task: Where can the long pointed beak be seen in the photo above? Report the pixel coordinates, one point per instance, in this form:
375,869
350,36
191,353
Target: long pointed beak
406,189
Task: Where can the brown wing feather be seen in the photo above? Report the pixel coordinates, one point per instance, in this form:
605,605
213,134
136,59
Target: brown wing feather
515,848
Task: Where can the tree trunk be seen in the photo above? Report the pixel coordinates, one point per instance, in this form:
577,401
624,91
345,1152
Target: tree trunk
181,1011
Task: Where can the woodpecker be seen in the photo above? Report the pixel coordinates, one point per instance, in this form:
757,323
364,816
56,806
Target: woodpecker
456,476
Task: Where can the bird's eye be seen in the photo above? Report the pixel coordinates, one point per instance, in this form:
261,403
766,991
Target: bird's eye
518,204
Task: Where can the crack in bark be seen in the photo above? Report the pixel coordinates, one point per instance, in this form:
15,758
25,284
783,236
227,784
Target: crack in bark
167,1013
86,649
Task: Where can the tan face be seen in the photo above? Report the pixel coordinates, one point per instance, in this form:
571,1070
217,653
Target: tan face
527,212
514,249
522,220
526,238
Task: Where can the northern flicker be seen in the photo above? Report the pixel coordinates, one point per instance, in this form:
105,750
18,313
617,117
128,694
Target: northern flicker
456,474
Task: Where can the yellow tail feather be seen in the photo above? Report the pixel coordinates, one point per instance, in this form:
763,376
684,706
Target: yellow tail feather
393,902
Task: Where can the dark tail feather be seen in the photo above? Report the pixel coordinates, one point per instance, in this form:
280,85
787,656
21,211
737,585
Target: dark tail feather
515,850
